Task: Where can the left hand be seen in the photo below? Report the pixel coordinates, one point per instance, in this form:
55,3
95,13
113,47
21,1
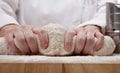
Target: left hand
85,39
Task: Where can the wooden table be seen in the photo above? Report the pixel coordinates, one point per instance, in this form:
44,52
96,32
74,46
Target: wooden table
71,64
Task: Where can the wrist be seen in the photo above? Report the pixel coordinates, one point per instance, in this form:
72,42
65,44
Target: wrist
93,27
6,28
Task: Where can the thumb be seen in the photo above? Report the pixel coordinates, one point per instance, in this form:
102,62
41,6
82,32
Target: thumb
99,41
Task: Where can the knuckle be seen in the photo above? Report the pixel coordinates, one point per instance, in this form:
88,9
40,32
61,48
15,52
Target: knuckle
42,31
34,29
102,36
79,29
71,32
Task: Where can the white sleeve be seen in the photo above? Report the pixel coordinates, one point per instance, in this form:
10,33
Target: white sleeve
100,17
8,10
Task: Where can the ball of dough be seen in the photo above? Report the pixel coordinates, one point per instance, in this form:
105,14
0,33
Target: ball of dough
56,40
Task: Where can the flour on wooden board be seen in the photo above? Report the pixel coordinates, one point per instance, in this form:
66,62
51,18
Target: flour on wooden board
66,59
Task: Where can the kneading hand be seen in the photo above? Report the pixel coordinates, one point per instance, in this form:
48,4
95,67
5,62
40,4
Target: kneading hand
85,39
25,36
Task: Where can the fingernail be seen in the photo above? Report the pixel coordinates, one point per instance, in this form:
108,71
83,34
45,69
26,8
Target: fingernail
68,48
45,46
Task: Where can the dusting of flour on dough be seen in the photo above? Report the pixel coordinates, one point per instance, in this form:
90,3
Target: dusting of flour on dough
56,40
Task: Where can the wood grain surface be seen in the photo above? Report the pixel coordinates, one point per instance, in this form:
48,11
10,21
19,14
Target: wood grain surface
10,65
58,68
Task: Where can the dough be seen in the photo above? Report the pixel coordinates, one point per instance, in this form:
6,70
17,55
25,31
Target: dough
3,47
56,43
107,48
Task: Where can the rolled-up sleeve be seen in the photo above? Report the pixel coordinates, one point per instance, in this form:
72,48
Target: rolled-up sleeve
8,10
100,17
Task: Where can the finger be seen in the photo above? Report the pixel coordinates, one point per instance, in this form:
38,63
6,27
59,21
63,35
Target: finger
90,43
31,39
68,40
80,42
43,37
10,42
21,42
99,42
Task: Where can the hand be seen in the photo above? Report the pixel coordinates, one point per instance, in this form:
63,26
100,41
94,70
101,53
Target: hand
42,35
25,38
85,39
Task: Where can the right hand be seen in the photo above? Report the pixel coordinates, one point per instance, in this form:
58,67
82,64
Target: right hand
25,38
85,39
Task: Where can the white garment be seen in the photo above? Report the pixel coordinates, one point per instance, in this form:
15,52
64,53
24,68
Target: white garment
70,13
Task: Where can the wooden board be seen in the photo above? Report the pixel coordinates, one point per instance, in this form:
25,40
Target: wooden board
43,64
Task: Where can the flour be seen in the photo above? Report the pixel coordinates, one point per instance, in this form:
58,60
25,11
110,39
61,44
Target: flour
56,34
3,47
66,59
